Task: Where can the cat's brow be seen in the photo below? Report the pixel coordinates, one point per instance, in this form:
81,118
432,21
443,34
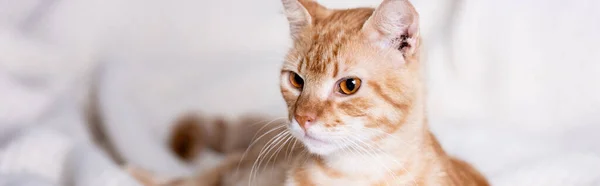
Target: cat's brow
327,39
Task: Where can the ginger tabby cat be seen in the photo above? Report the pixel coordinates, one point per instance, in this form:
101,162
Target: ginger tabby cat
356,101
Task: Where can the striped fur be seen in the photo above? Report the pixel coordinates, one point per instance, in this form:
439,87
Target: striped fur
376,136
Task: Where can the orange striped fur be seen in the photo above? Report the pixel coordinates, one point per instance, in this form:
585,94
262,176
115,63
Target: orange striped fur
378,134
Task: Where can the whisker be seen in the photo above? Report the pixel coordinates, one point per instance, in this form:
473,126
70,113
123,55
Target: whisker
269,147
261,154
278,142
285,141
254,143
292,149
267,123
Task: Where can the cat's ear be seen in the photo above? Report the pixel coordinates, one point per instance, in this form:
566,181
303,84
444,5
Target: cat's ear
302,13
394,24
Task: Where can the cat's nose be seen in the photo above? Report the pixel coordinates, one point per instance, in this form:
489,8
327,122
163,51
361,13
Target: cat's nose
305,120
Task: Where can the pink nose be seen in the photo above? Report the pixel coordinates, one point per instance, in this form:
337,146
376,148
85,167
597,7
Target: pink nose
305,120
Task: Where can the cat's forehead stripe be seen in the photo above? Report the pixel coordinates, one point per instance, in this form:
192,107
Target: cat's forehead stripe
328,36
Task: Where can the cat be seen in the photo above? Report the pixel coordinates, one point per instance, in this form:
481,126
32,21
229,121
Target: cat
356,102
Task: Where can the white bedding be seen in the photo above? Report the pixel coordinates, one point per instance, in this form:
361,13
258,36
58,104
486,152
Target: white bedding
513,84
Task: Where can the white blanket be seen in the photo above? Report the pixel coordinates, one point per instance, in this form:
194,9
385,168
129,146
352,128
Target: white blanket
512,83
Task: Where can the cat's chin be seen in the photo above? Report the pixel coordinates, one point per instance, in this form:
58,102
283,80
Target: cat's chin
319,147
320,150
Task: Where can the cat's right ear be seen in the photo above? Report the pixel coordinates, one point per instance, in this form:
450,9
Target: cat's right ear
301,14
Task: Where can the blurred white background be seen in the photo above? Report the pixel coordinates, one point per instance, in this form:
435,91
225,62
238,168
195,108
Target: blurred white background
514,85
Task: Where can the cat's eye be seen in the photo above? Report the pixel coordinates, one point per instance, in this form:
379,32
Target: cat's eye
296,80
348,86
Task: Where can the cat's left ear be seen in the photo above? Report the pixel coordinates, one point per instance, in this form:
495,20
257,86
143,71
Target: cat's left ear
302,13
394,24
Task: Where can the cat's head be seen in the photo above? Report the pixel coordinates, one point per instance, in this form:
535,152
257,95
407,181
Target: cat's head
352,75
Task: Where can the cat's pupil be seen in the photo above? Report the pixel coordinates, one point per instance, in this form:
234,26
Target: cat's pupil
298,80
350,84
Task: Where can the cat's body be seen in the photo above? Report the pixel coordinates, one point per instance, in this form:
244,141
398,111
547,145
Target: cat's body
356,104
402,151
430,167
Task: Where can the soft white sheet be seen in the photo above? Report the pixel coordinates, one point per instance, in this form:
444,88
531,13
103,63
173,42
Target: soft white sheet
513,84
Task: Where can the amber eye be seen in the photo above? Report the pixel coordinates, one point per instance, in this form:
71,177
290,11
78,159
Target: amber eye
349,86
296,80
